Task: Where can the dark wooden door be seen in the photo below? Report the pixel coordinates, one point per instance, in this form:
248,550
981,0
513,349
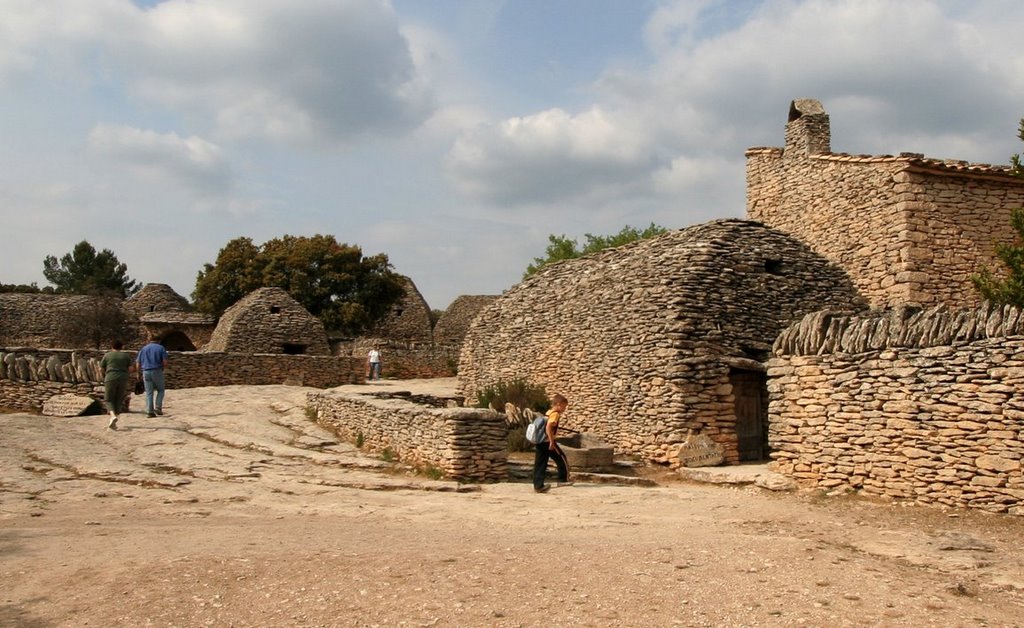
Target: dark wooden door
751,393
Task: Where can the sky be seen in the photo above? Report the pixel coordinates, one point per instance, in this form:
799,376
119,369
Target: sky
455,136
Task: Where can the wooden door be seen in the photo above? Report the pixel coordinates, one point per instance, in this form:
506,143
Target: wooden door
750,390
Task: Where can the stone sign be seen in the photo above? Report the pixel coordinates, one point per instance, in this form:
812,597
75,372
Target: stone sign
698,450
68,405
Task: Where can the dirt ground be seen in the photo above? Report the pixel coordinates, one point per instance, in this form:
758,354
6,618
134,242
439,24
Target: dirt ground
235,509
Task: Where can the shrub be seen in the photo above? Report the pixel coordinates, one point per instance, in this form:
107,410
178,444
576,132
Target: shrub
518,392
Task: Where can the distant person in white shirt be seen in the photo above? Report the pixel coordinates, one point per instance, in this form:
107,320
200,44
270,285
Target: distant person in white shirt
373,364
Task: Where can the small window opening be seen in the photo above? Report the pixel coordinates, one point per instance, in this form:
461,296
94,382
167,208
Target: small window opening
274,309
398,311
290,348
152,308
773,266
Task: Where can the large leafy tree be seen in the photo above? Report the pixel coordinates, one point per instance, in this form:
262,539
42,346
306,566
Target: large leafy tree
562,248
1007,287
347,291
84,271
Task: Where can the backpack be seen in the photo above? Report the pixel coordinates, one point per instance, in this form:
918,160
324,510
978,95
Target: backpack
536,432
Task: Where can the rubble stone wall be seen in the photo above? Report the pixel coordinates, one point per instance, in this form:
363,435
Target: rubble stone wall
467,444
30,377
905,404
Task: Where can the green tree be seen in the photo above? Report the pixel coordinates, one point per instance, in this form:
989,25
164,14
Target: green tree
31,288
84,271
1007,287
562,248
347,291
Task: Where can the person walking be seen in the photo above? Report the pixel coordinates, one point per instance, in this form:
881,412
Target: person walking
116,365
151,361
548,449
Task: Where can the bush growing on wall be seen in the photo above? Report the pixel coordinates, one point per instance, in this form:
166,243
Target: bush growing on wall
518,392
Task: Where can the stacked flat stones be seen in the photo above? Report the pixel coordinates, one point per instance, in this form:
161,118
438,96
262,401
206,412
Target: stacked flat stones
921,405
637,336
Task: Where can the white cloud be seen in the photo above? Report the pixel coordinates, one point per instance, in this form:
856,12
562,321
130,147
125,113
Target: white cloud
722,78
316,72
191,162
548,156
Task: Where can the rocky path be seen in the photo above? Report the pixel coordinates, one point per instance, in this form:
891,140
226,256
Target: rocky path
235,509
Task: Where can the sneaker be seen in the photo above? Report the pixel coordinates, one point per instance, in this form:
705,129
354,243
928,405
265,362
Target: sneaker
159,412
113,423
151,415
566,483
543,489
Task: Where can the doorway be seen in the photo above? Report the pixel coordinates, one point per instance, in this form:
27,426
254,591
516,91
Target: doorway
750,391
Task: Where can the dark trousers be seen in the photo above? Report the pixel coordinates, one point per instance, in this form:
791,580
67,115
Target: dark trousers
543,453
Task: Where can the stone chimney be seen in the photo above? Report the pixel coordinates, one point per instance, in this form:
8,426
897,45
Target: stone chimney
807,130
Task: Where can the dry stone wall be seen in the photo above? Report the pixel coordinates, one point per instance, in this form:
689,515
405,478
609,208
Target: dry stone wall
906,404
908,229
29,378
37,320
466,444
641,338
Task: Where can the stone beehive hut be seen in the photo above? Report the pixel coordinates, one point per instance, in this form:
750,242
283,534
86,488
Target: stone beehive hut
268,320
451,328
168,316
409,319
660,337
156,297
907,229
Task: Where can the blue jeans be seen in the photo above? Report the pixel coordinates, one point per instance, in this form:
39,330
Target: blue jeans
374,370
153,379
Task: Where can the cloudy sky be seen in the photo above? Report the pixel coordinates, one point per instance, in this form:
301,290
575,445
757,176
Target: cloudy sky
455,135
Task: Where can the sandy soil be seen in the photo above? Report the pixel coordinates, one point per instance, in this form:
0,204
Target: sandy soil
235,509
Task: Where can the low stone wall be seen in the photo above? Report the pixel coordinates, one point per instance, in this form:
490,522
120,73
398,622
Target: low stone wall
922,406
28,377
405,360
465,444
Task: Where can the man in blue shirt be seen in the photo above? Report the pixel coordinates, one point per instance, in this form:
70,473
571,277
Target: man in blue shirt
152,360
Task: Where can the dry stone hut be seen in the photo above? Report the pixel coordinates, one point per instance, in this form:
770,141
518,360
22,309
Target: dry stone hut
451,328
660,337
156,297
409,319
169,316
268,320
907,229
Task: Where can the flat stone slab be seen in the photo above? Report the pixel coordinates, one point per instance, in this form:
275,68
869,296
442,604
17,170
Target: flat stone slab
68,405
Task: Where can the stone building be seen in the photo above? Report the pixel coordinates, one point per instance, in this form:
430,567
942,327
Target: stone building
169,316
658,338
269,320
451,328
907,229
409,320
